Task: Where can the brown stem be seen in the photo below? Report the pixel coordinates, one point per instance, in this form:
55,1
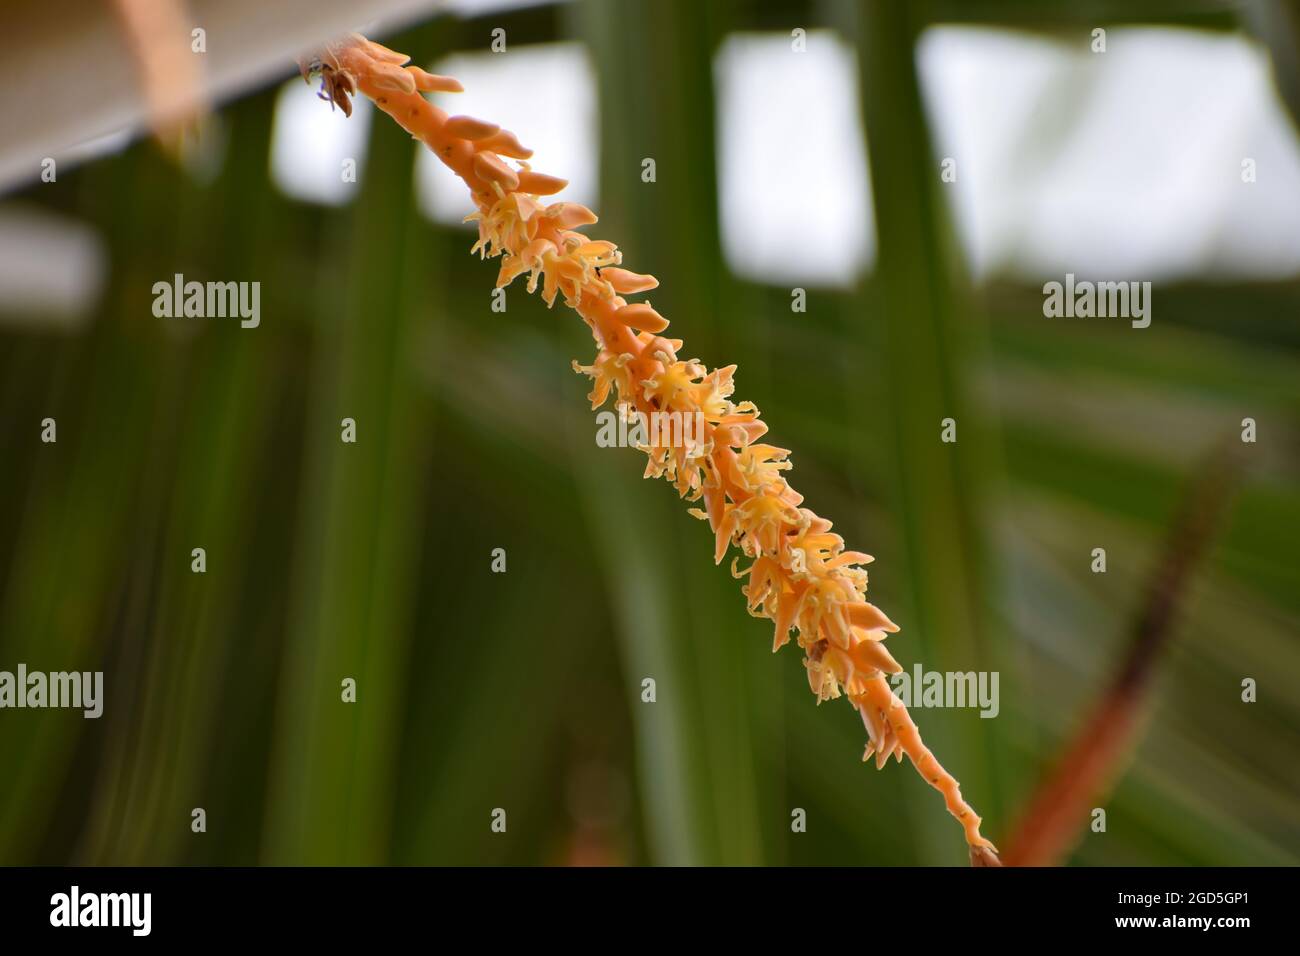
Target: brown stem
1051,825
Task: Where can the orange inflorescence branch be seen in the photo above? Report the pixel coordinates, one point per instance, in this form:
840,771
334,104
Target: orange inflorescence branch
799,575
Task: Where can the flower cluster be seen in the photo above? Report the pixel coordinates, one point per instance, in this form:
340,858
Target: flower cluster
797,572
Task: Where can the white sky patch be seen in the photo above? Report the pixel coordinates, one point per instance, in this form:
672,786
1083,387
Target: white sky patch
310,142
794,183
51,269
1123,165
545,95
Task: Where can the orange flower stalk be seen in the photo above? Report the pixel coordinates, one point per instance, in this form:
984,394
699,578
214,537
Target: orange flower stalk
799,574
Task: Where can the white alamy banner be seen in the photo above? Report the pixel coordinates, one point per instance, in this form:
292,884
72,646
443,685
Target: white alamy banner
80,690
922,688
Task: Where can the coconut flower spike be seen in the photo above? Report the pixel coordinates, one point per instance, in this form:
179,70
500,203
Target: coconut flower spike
796,572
